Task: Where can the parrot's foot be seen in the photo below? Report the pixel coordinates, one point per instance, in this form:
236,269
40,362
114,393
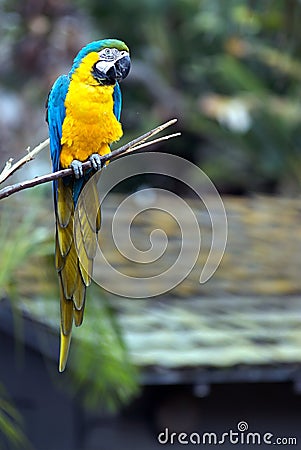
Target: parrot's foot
77,167
96,161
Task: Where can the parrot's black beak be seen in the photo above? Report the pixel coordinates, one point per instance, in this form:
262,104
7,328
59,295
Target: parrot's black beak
122,68
116,71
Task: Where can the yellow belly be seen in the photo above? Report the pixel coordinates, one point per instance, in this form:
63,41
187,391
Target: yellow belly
90,124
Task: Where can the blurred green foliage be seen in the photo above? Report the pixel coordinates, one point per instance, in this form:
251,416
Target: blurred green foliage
16,249
18,242
229,70
11,425
99,367
100,373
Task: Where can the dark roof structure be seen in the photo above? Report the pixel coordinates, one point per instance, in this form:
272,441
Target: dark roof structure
244,324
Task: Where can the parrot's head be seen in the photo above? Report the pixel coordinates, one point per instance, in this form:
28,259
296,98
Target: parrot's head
108,61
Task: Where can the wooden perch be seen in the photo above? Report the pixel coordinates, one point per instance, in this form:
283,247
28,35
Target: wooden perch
136,144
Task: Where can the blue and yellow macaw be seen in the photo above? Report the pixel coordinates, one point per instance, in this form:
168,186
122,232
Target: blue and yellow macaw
83,113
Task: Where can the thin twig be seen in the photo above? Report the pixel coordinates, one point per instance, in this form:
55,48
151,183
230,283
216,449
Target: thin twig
136,144
10,168
154,141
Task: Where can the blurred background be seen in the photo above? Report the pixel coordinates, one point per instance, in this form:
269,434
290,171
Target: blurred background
201,358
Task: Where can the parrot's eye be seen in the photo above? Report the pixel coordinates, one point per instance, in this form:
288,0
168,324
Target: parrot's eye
106,54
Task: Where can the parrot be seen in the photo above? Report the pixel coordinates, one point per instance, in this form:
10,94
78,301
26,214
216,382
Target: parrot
83,116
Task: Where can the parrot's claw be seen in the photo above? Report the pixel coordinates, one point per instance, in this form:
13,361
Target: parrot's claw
96,161
77,167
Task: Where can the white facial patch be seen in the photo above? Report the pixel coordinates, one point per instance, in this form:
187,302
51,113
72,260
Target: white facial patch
103,66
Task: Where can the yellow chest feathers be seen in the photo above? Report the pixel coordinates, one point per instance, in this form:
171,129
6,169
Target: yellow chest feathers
90,124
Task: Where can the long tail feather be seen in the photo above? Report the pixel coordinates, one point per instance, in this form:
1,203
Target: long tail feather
64,350
75,251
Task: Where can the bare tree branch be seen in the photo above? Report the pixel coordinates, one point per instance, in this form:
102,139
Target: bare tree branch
10,168
136,144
